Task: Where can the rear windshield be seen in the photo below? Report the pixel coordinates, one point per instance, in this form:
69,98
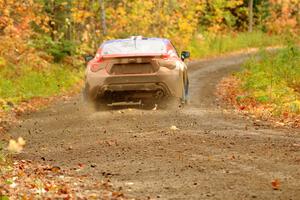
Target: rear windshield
130,46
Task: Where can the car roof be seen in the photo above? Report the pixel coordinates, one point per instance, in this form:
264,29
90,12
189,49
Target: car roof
133,46
164,40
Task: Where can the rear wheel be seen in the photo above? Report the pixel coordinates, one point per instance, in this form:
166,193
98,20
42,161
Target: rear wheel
96,103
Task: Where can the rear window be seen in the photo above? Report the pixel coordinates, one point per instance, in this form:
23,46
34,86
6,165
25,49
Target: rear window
130,46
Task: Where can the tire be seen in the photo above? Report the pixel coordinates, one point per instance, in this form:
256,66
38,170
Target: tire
96,104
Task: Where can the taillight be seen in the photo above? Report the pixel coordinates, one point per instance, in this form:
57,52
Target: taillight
167,63
165,56
97,65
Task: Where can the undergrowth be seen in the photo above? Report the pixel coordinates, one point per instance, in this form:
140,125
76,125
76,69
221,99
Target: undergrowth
23,82
267,88
274,79
210,44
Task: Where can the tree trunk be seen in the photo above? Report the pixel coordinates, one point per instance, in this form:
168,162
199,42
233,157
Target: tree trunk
250,15
103,17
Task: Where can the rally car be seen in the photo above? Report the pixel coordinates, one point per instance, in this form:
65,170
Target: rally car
136,70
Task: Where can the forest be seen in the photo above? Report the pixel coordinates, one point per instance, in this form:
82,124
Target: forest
49,38
37,35
69,28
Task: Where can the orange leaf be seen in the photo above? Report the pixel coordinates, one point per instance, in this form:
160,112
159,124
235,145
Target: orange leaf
275,184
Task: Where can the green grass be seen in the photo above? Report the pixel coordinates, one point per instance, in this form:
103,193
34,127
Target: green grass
19,83
211,44
275,79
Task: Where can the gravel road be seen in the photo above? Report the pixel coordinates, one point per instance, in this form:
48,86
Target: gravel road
214,154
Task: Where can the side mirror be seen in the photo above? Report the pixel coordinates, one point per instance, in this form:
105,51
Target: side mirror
88,58
184,55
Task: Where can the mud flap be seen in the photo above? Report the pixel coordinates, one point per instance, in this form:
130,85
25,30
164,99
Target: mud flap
185,90
84,94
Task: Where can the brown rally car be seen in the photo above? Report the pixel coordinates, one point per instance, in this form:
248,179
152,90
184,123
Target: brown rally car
135,70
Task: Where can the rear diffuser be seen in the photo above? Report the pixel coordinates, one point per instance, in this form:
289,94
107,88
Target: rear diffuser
125,103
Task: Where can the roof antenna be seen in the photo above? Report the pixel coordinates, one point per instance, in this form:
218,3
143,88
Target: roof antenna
135,41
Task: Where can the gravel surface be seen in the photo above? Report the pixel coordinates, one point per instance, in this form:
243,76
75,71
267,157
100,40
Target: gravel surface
212,153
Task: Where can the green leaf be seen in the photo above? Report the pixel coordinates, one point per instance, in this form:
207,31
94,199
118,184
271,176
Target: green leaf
3,197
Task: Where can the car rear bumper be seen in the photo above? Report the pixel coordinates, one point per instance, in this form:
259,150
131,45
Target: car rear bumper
134,87
168,81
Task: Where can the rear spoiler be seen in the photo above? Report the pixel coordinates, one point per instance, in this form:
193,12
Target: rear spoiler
132,55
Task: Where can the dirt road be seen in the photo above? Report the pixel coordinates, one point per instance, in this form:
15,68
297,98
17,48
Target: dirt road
214,154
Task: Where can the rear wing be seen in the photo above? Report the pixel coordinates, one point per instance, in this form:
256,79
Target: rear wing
132,55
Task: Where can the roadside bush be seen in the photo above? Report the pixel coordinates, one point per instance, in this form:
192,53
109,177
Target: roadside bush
57,49
209,44
274,79
25,82
2,155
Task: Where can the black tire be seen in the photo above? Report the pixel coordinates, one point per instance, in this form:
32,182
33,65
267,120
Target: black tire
97,104
185,92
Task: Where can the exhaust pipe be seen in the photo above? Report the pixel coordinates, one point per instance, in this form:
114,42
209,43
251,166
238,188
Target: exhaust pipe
159,94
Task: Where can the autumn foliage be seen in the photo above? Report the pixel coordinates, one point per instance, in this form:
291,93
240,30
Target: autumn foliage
267,88
285,16
34,34
63,28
